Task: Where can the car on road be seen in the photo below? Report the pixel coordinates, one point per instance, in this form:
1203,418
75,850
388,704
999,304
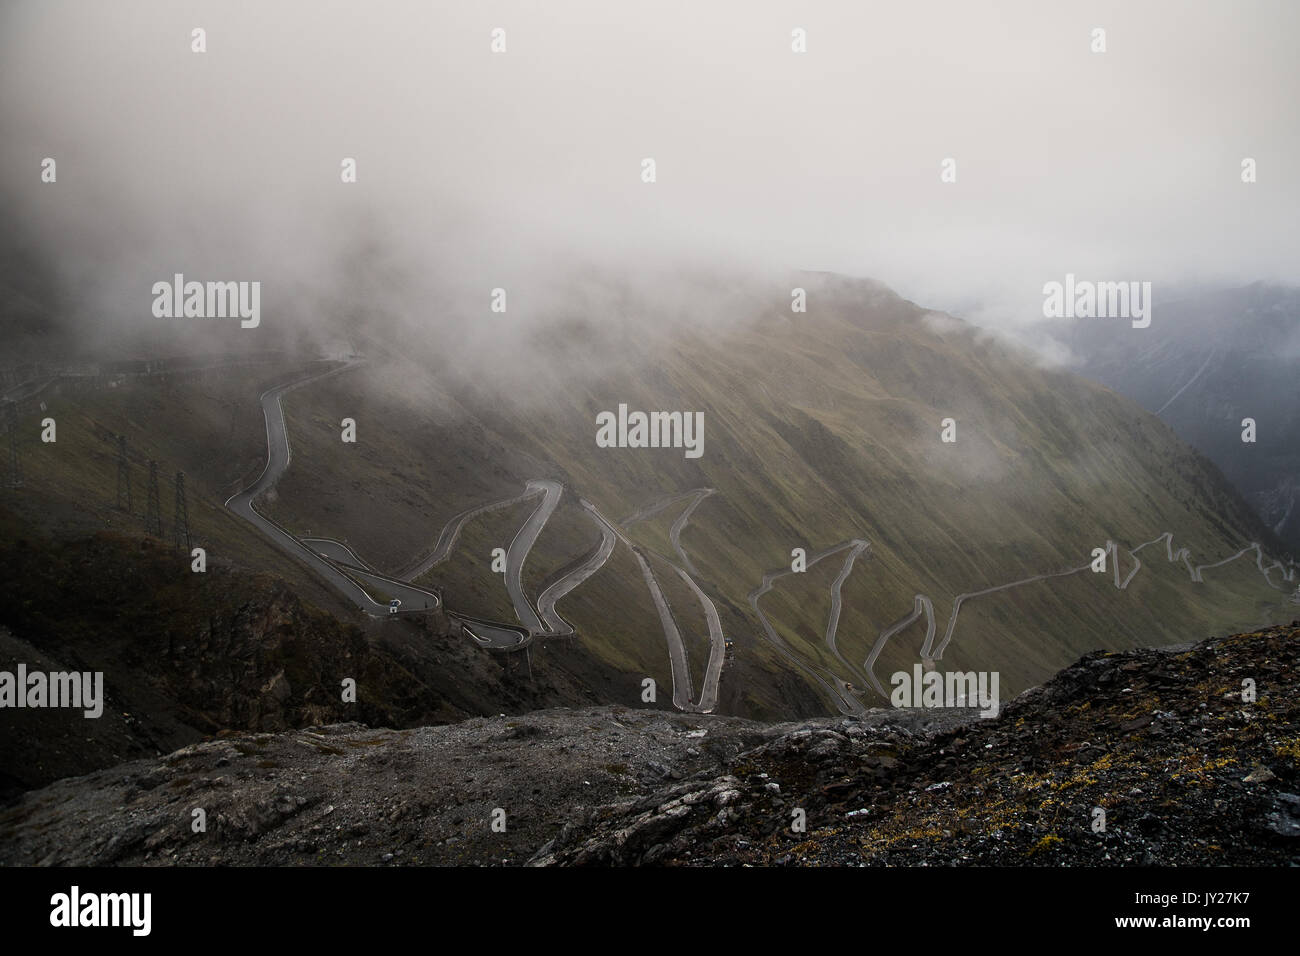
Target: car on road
393,605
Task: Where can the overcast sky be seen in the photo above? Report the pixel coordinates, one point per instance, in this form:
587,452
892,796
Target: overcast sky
476,167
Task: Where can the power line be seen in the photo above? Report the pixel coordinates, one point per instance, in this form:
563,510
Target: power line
15,463
123,475
153,512
181,515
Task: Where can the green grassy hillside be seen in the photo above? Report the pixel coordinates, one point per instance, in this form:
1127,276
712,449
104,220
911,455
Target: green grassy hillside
819,428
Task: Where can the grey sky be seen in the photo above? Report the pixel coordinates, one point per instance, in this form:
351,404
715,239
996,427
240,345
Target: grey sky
483,170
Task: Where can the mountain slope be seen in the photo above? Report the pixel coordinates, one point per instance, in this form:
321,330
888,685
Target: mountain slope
819,428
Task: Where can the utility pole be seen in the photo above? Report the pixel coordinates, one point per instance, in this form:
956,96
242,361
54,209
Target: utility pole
181,517
153,512
123,476
15,464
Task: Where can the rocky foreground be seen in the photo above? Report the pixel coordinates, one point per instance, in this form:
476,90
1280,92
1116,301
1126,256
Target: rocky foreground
1185,770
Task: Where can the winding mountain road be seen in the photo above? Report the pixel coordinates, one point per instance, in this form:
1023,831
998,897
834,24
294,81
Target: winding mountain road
1188,383
340,566
413,597
349,573
522,543
839,693
336,551
451,532
929,653
659,504
278,456
547,600
833,619
677,660
923,605
333,560
717,647
675,532
542,621
933,654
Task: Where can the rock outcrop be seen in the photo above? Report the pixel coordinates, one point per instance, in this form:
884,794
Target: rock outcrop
1168,744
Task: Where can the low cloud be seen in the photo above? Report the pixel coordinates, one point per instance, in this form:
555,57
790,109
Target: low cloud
523,170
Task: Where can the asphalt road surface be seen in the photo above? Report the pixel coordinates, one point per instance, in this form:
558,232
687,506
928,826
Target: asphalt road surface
675,532
836,688
341,567
833,619
930,653
278,456
332,560
451,531
677,660
522,543
547,600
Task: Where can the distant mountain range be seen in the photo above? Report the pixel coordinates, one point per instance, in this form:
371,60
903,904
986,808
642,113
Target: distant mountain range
1206,363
